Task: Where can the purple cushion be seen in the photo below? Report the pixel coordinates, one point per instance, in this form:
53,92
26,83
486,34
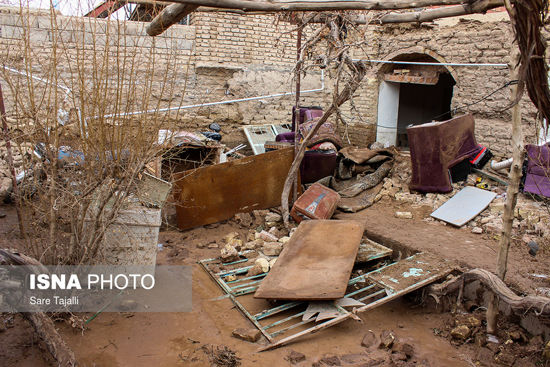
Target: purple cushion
537,180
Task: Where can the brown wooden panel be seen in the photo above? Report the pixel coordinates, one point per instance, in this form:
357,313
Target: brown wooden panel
215,193
315,263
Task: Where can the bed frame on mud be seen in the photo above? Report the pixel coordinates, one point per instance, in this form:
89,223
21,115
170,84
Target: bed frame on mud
367,291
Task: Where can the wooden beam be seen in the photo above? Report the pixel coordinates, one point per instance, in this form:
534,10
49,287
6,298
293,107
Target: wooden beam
317,5
168,16
429,15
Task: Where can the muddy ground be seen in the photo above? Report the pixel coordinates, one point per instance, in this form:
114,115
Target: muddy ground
422,335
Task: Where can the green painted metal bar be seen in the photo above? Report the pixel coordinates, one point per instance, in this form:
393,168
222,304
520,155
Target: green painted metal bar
284,320
247,278
372,295
234,271
360,290
245,285
242,292
278,332
276,310
241,308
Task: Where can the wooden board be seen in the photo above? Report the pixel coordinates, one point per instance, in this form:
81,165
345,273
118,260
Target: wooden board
415,269
215,193
370,250
316,262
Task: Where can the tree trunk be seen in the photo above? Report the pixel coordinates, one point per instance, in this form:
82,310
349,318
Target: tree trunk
511,196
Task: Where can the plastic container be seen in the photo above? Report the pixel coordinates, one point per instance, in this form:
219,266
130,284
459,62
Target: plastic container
317,202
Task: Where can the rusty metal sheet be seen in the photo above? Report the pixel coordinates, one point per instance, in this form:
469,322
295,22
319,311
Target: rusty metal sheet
415,269
316,262
218,192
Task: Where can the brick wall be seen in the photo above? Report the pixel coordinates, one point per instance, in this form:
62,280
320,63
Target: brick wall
223,56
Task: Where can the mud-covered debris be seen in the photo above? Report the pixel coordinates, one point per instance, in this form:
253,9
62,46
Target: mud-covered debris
404,215
295,357
266,236
230,237
480,340
273,218
461,332
213,245
275,231
284,239
369,340
331,361
261,265
386,339
272,248
399,356
249,335
245,220
505,358
253,245
221,356
485,356
405,348
238,244
468,320
477,230
272,262
229,254
230,278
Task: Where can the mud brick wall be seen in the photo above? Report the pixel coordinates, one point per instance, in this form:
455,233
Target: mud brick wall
466,41
223,56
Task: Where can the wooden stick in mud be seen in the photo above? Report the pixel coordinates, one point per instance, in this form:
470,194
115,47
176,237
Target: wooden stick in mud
41,323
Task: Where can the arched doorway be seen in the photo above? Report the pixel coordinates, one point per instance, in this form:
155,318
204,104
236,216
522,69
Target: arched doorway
411,94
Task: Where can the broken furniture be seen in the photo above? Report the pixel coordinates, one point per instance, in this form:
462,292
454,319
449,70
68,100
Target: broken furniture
436,147
315,263
464,206
317,202
214,193
258,135
537,175
316,163
287,321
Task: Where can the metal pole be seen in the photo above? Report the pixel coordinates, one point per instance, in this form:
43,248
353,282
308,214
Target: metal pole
10,163
297,106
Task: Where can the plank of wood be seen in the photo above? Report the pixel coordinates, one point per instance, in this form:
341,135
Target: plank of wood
218,192
410,271
316,262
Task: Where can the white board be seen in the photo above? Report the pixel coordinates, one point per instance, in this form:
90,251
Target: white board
464,206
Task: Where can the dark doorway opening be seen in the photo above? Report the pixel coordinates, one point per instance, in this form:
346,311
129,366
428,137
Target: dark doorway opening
421,103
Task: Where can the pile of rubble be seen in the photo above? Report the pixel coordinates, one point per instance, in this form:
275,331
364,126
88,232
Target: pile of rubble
267,243
532,218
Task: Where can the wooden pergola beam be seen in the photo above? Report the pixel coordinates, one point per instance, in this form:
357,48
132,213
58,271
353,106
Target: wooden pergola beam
317,5
180,8
170,15
429,15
